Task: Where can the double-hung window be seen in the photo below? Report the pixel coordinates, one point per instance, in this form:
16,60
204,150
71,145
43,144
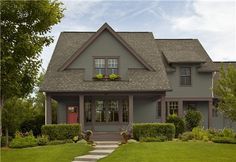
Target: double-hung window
100,66
185,76
106,66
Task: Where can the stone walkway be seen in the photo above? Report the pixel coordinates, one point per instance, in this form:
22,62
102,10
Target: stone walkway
101,150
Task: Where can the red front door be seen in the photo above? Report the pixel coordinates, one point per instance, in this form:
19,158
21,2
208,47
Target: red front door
72,114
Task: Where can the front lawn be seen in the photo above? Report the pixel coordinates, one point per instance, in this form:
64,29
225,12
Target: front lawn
173,152
50,153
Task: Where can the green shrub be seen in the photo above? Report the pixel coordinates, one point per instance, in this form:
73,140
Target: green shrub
178,122
56,142
193,119
23,141
33,124
61,131
43,140
153,139
153,130
186,136
227,132
224,140
200,134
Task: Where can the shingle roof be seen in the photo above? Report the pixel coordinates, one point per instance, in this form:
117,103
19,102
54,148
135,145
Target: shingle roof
185,51
73,80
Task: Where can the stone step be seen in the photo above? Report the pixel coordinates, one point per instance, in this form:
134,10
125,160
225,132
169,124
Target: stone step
101,152
90,158
105,147
83,161
106,142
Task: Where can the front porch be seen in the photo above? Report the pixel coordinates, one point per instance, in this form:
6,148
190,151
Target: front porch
103,112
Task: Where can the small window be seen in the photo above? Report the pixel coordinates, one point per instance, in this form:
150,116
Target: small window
100,111
72,109
112,66
100,66
125,108
113,111
158,109
88,110
106,66
172,107
185,76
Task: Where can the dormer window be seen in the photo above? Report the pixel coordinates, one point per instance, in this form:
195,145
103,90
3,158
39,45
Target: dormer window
185,76
106,66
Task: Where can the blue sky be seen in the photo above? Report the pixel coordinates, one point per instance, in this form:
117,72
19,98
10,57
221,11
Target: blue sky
212,22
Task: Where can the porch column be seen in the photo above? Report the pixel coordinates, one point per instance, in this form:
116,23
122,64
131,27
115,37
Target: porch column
180,108
210,107
131,107
48,109
81,111
163,109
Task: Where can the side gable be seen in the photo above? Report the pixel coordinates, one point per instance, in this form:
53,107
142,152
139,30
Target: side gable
105,27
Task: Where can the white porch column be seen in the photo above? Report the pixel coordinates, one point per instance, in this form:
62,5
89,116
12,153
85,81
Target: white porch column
131,109
48,109
210,107
163,109
81,111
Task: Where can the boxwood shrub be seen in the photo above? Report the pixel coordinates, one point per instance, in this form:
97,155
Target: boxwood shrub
141,130
61,131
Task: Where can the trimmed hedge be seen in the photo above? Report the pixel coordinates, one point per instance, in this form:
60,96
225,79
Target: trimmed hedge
61,131
229,140
141,130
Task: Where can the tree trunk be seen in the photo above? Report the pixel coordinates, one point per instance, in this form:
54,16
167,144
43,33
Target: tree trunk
1,106
7,137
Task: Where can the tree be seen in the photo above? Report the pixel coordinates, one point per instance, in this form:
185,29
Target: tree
225,90
24,25
14,112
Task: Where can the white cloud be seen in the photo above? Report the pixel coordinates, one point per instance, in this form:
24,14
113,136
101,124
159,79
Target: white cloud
214,21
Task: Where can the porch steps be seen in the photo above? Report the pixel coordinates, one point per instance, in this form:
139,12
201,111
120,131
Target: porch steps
106,136
101,150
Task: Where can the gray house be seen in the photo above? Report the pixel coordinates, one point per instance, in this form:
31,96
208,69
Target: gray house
154,78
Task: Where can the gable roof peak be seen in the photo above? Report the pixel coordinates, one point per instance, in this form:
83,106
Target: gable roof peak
104,27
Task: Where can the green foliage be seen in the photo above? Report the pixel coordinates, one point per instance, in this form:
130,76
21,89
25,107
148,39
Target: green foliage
14,112
224,140
21,141
33,124
24,25
178,122
61,131
153,130
200,134
225,90
99,76
56,142
153,139
113,76
186,136
4,140
42,140
193,119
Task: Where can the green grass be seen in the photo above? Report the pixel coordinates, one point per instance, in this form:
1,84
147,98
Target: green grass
50,153
173,152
